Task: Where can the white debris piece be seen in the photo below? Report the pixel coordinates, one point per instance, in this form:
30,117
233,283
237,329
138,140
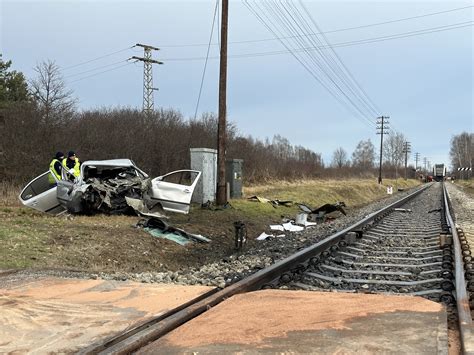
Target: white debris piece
277,227
264,236
292,228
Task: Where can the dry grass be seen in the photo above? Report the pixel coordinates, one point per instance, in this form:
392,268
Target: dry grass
466,185
353,192
9,194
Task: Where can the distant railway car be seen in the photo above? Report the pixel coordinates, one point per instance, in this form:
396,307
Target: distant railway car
439,172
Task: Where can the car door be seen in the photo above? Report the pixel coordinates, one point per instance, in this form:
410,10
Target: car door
174,190
40,194
64,192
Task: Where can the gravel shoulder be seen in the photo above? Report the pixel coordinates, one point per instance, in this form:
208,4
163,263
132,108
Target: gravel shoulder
463,206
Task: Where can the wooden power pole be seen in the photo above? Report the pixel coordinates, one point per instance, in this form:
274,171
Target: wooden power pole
221,126
406,150
381,129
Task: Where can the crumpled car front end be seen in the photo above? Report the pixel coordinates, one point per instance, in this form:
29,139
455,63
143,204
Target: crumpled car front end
103,188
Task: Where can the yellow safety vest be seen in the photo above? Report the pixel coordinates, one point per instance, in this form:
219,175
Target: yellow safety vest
53,171
77,167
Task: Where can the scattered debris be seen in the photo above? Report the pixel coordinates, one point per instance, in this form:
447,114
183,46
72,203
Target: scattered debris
264,236
286,203
402,209
142,209
277,227
302,220
159,228
328,208
304,208
435,210
290,227
275,203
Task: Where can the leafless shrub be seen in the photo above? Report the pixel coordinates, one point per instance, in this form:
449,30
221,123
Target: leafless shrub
158,143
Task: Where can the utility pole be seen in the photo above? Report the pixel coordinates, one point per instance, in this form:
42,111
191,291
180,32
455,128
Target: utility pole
406,150
425,161
382,129
148,104
221,125
417,157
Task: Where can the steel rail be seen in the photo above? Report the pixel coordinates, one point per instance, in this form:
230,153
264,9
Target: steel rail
462,298
250,283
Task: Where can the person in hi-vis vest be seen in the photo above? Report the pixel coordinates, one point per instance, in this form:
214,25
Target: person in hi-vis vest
55,167
72,165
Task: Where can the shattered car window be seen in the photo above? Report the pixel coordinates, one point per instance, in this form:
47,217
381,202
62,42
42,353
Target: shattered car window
107,172
181,177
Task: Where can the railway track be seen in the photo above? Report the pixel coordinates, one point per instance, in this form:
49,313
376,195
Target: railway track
399,254
409,247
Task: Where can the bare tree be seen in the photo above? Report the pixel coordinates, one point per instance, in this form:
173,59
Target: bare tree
364,155
393,149
339,158
462,150
54,100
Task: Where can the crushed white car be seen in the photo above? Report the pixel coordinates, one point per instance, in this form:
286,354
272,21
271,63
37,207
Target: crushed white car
105,185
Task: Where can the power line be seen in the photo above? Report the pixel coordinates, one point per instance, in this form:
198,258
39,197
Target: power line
365,97
342,71
94,69
97,58
343,44
207,56
283,19
320,58
303,62
330,31
332,69
102,72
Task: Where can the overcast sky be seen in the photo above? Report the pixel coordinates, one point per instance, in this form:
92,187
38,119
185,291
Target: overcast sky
423,82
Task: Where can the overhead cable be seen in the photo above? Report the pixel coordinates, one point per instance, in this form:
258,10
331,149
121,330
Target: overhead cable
342,44
97,58
94,69
272,18
102,72
329,31
286,19
345,70
207,57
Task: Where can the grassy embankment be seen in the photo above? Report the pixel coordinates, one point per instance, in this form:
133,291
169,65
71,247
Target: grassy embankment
29,239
